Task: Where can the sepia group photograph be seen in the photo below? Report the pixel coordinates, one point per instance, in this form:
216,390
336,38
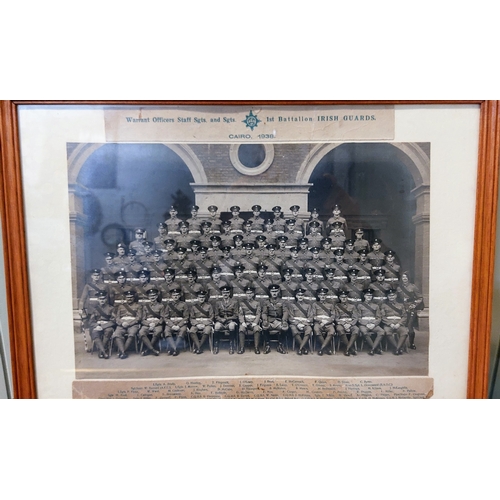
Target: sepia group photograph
306,259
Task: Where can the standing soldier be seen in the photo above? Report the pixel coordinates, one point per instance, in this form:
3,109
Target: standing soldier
369,321
394,320
195,222
261,283
376,258
157,267
334,286
137,244
238,250
102,324
144,286
191,288
226,235
278,222
128,317
176,321
168,286
301,319
351,257
249,315
324,318
364,268
410,296
315,237
274,264
201,317
235,220
170,255
181,265
214,250
305,254
159,240
354,287
337,219
184,238
152,323
204,266
309,286
110,268
206,233
250,261
118,290
214,219
248,233
360,243
315,219
317,264
173,222
293,232
261,251
391,268
226,319
339,267
326,254
269,232
274,318
295,264
134,268
90,291
214,286
121,259
288,286
337,236
194,254
346,318
283,250
380,287
239,282
256,218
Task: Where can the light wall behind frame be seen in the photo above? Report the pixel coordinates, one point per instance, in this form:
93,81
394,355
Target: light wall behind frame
23,369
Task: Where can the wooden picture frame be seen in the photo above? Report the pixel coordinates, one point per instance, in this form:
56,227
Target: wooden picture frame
15,245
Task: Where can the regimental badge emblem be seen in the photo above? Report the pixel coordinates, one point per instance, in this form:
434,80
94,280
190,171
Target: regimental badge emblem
251,121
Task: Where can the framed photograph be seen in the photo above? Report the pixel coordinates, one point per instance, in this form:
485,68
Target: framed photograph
249,249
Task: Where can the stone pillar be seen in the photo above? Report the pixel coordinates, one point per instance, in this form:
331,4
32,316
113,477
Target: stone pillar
78,222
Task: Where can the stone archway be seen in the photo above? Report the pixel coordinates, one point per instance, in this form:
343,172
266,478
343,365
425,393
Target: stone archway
77,158
417,162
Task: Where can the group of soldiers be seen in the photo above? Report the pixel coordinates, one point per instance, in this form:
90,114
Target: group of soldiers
204,280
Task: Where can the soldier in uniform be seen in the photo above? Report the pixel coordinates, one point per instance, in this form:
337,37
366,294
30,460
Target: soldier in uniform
110,268
300,315
316,263
121,259
207,232
147,258
278,222
214,250
346,318
89,293
360,243
305,254
337,218
261,283
128,316
295,209
152,323
326,254
173,222
339,267
235,220
102,323
181,265
247,233
261,251
239,282
226,235
157,267
332,285
249,316
274,318
410,296
214,219
226,263
288,286
191,287
159,240
168,286
355,288
195,222
380,287
183,239
295,264
269,232
256,218
351,257
283,250
369,321
134,268
144,286
201,317
391,268
376,258
170,255
310,286
292,231
118,290
250,261
274,264
137,244
394,320
315,219
176,322
315,237
226,319
204,266
194,254
324,319
364,267
214,286
337,236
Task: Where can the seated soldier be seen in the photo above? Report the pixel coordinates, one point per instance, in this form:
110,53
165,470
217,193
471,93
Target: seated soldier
249,315
324,318
176,321
152,323
201,317
394,320
226,319
346,318
143,287
369,321
274,319
128,320
300,317
101,323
